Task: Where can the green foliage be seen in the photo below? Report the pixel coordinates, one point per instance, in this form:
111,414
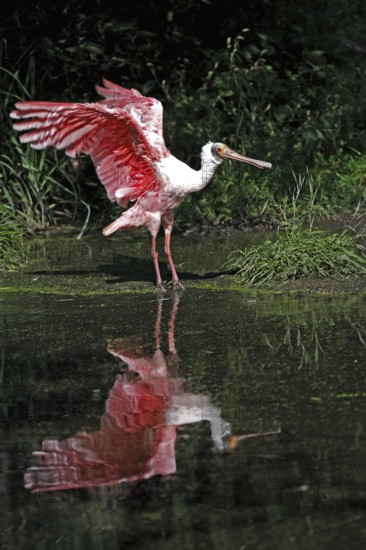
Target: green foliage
298,253
32,192
278,81
13,251
36,188
297,115
301,252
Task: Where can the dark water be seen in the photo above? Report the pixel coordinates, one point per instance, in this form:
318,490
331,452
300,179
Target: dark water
217,420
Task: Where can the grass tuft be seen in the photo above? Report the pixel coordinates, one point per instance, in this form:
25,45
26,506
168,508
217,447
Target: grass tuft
299,253
36,187
13,251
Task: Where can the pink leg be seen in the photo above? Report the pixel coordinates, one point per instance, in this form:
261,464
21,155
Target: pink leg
159,284
168,220
175,279
170,259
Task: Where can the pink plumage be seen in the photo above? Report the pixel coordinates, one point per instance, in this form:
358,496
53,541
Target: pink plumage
123,134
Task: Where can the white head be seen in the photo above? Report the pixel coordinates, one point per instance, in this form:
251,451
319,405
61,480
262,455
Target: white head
209,154
217,152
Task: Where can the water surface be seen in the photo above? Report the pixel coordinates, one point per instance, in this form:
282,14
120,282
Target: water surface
218,419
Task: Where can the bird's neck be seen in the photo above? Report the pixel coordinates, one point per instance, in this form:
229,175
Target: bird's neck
208,168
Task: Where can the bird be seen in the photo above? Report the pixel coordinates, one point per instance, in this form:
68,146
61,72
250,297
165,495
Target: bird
123,135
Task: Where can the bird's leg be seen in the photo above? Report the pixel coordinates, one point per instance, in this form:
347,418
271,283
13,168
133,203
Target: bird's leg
159,284
168,219
175,280
170,259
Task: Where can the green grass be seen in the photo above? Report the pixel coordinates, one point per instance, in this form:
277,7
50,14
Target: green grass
33,184
13,250
298,253
46,188
36,187
300,250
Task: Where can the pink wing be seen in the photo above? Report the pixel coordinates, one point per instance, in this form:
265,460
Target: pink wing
123,134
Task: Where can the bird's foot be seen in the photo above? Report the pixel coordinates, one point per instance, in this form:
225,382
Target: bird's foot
160,290
177,285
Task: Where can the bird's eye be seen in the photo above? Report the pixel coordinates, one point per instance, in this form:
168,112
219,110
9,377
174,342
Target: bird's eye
219,149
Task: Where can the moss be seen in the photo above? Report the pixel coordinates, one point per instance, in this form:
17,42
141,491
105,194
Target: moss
93,267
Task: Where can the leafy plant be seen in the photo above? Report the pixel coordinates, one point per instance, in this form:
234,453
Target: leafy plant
273,82
31,189
35,186
298,253
13,250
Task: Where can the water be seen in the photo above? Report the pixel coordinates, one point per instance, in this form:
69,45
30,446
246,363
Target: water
218,419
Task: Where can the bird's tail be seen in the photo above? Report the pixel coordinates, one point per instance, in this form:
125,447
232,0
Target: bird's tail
133,217
119,223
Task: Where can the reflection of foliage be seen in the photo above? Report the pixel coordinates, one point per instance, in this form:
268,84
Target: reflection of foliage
299,341
287,335
305,335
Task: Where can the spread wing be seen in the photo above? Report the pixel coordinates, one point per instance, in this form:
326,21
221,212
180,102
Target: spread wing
122,133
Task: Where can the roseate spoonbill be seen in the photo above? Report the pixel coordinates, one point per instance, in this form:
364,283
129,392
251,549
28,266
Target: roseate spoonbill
123,134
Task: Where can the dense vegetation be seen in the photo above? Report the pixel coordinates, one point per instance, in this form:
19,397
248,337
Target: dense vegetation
282,81
12,250
298,254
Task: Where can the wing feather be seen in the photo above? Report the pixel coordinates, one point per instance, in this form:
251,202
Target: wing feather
122,133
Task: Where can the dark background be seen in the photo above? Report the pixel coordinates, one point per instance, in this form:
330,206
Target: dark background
278,80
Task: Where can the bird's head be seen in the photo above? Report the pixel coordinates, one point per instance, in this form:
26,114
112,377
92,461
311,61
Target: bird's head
220,151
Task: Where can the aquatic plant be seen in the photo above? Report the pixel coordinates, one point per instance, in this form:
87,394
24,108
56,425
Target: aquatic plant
298,253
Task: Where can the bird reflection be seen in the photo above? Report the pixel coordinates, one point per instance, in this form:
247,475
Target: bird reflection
137,434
